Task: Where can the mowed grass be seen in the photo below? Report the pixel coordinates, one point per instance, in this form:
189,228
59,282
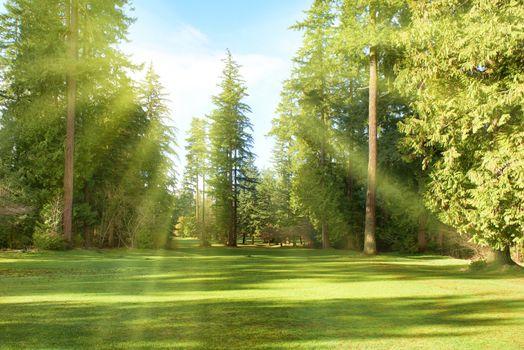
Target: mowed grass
254,298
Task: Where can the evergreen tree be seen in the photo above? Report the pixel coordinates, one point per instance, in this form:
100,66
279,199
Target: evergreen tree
231,144
119,146
197,157
464,69
307,114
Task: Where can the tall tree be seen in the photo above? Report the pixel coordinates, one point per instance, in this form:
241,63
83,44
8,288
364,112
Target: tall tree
231,144
71,10
369,31
306,123
120,159
464,69
196,170
370,246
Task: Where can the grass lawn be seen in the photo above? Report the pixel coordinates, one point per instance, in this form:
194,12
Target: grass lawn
254,298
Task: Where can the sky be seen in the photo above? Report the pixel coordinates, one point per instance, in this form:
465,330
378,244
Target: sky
187,40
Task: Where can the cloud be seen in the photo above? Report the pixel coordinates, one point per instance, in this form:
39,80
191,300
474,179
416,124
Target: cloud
188,38
190,70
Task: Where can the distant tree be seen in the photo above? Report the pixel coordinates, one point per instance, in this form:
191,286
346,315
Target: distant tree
71,17
231,144
249,219
197,159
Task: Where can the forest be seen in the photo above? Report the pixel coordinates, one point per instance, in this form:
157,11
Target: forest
400,128
397,178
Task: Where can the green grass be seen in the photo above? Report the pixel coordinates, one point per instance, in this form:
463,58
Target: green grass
254,298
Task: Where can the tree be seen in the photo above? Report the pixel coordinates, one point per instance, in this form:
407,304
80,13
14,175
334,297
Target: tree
231,143
369,28
306,122
464,69
154,166
370,246
71,16
196,171
121,147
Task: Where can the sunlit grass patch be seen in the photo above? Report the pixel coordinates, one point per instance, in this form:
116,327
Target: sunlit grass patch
221,298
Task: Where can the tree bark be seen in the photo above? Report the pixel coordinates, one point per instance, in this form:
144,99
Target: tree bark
205,241
72,53
325,235
87,226
324,224
422,241
503,257
232,238
370,246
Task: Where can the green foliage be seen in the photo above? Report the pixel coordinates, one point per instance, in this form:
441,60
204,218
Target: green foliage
463,69
478,265
47,240
48,231
186,226
123,171
321,129
231,144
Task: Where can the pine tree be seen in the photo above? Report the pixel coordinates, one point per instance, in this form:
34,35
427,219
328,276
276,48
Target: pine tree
305,128
71,16
464,69
370,27
119,147
197,157
231,144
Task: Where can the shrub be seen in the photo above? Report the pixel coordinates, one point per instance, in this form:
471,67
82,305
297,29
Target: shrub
47,235
48,240
478,265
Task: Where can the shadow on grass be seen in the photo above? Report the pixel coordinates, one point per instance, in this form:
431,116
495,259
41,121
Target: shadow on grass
142,299
216,269
211,324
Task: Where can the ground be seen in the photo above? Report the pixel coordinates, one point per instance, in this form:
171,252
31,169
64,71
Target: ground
254,298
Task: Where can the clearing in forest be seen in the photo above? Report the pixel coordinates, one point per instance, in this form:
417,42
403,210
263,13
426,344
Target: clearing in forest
254,298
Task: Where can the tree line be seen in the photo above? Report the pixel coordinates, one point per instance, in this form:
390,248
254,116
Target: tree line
400,127
65,82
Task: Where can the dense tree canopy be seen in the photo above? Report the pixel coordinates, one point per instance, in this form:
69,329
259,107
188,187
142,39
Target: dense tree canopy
400,126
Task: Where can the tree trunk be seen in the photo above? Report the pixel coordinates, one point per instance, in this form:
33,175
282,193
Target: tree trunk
324,224
441,239
87,227
197,208
422,242
503,257
370,246
232,237
205,241
234,216
72,53
325,234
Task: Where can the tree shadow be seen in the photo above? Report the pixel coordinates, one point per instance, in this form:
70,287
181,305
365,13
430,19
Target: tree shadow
242,324
220,298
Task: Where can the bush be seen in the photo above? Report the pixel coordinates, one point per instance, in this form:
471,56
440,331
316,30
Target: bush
47,235
48,241
478,265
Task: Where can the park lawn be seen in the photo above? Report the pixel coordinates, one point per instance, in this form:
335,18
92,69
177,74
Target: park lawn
254,298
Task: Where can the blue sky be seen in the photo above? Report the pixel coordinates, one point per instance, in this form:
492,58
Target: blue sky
186,41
